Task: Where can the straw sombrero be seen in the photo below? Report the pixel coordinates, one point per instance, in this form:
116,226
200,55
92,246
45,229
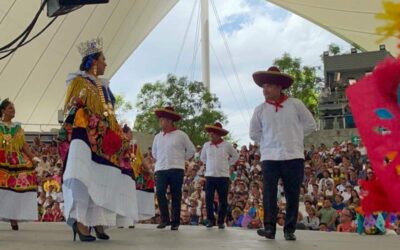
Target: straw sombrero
216,128
168,113
273,76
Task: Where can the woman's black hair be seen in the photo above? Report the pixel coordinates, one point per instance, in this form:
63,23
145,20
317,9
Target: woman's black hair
87,61
126,129
3,105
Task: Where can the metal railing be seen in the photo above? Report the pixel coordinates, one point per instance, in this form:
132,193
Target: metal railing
40,127
336,122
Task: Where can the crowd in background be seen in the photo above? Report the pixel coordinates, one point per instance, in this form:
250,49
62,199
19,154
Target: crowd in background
330,194
48,174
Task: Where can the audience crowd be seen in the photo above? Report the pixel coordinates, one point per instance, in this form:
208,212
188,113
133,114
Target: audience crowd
49,174
329,199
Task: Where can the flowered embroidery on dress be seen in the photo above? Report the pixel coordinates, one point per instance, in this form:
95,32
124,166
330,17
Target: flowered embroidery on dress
11,143
17,181
3,178
22,180
145,181
16,172
103,141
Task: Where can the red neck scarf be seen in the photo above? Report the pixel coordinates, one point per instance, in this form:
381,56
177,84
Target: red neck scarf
167,131
216,143
278,103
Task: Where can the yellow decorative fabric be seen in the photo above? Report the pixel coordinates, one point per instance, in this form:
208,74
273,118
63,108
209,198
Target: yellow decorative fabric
16,170
137,163
81,119
12,142
391,16
88,93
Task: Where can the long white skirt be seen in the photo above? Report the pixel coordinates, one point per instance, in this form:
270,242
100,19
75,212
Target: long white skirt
96,193
18,206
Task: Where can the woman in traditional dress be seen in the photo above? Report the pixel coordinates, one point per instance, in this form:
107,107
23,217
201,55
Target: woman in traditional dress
98,192
17,173
143,173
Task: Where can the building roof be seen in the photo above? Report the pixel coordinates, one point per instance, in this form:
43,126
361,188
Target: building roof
356,61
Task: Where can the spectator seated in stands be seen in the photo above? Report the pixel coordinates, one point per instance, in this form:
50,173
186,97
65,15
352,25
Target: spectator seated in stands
323,227
327,215
237,217
185,216
338,203
194,211
311,221
346,222
48,215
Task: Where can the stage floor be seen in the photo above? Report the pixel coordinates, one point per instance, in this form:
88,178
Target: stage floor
39,236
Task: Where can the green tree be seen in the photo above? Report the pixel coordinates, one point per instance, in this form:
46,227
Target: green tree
305,85
334,49
191,99
122,105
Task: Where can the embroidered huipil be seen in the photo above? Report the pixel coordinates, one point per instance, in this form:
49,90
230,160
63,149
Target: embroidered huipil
16,170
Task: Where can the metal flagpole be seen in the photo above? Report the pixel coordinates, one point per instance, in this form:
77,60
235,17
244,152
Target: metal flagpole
205,44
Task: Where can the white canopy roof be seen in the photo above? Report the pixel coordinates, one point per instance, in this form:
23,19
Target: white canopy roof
352,20
34,77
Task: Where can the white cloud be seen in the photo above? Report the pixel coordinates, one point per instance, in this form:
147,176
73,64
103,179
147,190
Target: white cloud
266,34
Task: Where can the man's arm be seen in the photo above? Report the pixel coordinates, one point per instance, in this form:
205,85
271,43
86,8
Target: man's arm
203,154
234,155
306,118
255,127
189,147
154,148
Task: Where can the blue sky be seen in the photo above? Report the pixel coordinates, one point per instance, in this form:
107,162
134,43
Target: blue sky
235,22
257,32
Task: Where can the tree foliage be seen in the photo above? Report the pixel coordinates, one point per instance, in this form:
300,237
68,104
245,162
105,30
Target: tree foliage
334,49
305,80
121,105
192,100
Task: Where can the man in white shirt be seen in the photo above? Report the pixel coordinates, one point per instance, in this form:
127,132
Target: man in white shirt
171,147
279,125
218,155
